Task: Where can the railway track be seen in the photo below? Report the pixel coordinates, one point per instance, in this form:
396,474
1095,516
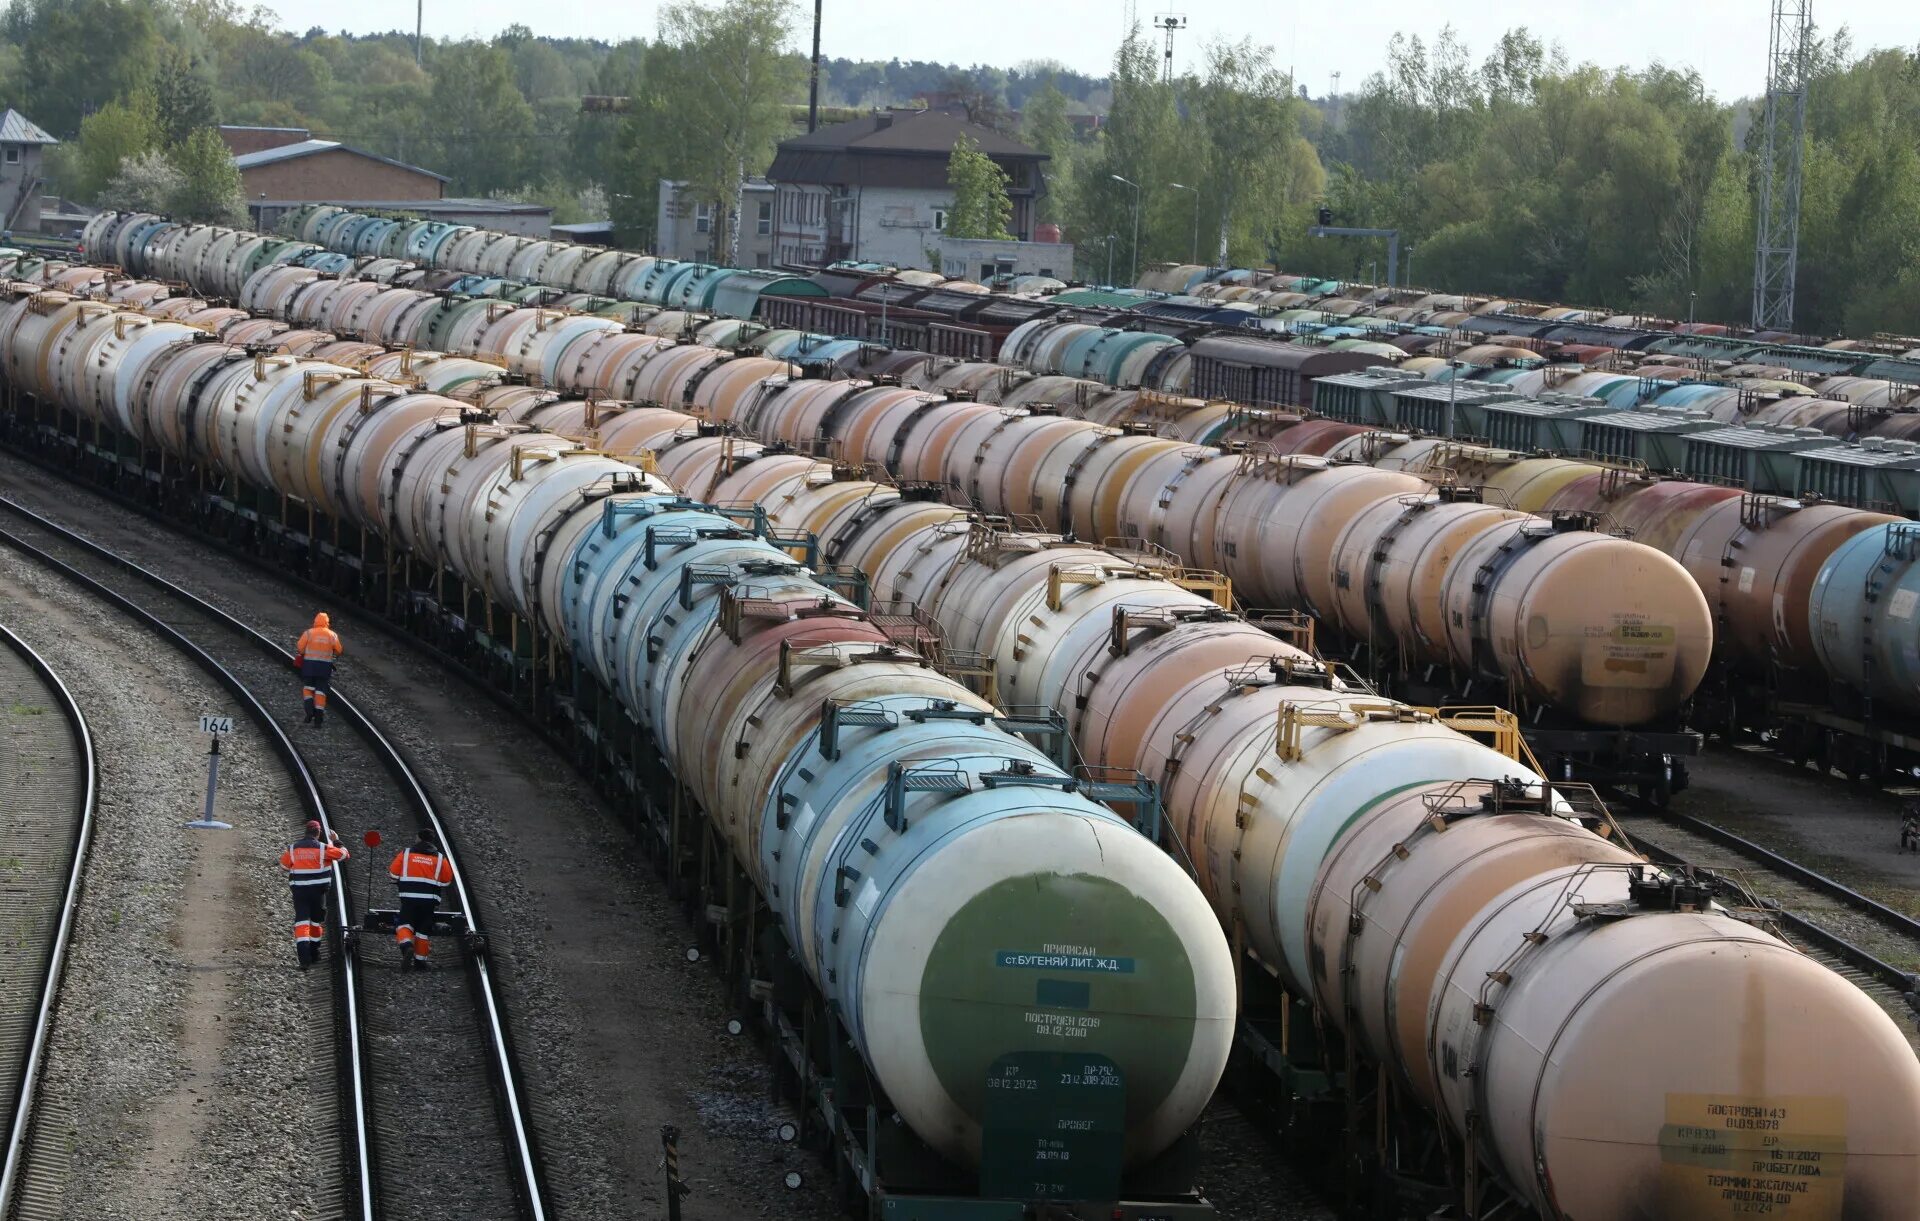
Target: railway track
343,1040
437,1119
1871,944
50,783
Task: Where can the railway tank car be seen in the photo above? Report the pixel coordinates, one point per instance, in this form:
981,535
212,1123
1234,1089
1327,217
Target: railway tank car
1514,602
1877,734
1635,672
927,913
1513,949
1434,901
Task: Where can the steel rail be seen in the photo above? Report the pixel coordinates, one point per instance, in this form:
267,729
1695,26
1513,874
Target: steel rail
502,1061
76,719
1897,920
1799,926
307,790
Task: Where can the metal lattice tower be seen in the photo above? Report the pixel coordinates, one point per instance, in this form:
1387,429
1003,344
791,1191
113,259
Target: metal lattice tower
1169,22
1777,237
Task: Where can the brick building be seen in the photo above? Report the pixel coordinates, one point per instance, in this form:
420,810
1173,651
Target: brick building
324,170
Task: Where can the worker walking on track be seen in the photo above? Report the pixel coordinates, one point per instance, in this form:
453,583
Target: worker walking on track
421,873
309,864
315,652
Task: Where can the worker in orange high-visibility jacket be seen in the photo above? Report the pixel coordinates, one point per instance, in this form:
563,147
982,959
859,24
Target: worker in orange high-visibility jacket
309,864
315,652
420,875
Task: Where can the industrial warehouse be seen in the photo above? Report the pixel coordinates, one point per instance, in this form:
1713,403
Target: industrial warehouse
812,691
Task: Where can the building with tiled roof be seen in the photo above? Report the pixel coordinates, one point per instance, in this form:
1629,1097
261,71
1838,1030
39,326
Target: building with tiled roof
875,189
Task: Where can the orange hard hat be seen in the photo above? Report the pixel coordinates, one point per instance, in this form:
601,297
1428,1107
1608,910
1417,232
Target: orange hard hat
321,620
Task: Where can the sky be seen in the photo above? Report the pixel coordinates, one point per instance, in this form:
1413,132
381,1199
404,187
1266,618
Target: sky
1726,40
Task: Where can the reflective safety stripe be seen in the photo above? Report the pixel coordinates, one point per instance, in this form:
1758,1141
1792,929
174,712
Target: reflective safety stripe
433,895
427,866
311,864
318,644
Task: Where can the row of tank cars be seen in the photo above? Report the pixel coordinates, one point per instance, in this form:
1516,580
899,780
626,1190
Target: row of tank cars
1841,690
1375,894
1617,722
1174,331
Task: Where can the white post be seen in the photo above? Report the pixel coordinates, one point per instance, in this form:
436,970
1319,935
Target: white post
215,727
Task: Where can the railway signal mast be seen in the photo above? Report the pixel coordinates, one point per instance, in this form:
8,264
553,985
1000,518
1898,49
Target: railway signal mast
1777,237
1169,22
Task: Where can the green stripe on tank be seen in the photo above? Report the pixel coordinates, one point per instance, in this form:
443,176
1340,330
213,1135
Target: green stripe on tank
1065,963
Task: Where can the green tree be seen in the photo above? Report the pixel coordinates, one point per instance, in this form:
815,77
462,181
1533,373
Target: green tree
1255,166
210,187
182,94
76,56
980,204
1045,126
262,67
717,101
1142,144
482,130
109,137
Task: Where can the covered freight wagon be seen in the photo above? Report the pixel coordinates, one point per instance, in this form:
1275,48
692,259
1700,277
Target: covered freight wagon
1265,372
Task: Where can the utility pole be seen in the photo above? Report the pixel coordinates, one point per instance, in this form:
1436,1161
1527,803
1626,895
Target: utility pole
1334,99
1169,22
1453,390
1194,255
1111,237
813,82
419,23
1776,247
1134,253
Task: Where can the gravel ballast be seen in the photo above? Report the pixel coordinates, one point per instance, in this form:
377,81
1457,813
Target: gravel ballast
191,1062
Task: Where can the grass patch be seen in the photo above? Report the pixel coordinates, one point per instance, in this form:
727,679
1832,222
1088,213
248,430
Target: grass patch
27,710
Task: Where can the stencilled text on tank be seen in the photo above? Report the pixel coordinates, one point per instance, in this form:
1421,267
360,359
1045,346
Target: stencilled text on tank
1725,1155
1070,959
1627,649
1061,1025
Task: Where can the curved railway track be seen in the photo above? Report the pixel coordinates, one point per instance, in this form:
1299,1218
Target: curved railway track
51,782
344,1039
438,1120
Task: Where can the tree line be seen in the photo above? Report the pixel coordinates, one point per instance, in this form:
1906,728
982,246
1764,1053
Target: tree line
501,118
1519,175
1514,172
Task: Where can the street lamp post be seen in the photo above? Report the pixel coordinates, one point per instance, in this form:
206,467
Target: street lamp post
1193,255
1136,221
1453,391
